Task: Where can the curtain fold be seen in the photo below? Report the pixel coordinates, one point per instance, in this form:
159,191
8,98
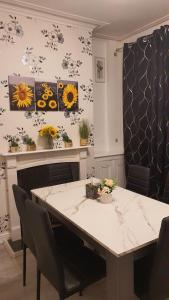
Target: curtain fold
146,105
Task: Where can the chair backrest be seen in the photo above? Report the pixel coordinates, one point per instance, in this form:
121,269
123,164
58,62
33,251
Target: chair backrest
50,174
138,179
159,281
20,199
165,196
48,257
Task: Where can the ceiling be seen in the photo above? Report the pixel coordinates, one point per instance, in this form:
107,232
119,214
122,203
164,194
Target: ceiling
115,19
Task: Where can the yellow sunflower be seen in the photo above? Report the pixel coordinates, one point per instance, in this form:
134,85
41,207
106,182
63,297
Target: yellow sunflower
70,95
60,85
48,92
53,132
44,130
23,95
41,103
52,104
44,85
48,130
45,97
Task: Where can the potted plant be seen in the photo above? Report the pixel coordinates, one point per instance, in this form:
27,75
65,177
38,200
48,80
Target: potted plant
31,146
84,131
24,142
13,144
67,141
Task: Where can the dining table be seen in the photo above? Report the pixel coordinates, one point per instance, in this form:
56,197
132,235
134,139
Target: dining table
119,230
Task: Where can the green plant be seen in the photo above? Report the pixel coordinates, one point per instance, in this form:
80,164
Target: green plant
66,138
30,142
13,141
84,129
27,140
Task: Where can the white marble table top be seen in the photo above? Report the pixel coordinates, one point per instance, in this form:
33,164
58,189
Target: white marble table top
130,222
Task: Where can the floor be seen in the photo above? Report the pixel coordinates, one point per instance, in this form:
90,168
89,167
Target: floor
11,282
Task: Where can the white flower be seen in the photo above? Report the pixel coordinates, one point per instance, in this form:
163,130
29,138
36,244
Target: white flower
104,190
109,182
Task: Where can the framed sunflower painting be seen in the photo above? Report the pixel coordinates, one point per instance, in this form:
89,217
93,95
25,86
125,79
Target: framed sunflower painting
21,93
46,96
68,95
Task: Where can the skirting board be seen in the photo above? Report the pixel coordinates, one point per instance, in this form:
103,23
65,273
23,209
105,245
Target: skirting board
10,250
4,237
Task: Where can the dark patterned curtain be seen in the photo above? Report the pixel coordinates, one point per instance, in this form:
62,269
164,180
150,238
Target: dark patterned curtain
146,105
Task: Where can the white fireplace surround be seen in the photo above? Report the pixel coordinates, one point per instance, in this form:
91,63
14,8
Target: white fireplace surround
22,160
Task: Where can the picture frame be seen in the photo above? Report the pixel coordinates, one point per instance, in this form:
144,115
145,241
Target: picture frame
99,69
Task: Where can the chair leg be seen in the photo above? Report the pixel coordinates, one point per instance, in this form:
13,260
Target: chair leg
24,264
38,284
80,293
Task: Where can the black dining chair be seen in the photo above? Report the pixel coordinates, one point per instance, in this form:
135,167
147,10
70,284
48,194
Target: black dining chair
138,179
68,271
65,237
152,272
20,197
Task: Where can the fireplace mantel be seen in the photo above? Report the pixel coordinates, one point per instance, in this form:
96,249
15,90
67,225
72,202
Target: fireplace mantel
21,153
21,160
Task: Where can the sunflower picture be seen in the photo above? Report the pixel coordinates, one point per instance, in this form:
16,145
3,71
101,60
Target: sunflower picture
68,95
46,96
21,93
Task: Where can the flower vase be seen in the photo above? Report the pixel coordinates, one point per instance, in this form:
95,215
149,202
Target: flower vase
50,142
106,198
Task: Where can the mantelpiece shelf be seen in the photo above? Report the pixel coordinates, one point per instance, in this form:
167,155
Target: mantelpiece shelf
42,151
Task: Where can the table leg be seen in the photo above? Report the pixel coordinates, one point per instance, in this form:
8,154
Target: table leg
120,277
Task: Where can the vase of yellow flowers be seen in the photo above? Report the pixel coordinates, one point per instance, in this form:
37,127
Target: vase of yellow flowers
50,133
105,189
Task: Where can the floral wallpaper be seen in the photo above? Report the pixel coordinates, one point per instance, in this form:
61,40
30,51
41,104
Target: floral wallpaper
46,51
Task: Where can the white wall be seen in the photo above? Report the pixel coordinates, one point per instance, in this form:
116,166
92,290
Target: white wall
100,98
108,118
12,51
114,98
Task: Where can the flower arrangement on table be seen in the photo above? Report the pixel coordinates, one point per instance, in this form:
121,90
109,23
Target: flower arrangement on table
105,188
50,132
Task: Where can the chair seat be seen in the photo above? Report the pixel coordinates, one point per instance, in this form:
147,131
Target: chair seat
86,265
